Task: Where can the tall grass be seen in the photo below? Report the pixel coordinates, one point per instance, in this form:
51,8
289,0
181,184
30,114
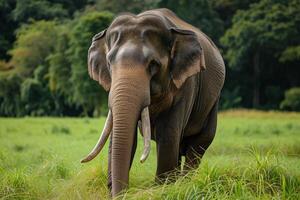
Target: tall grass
262,178
255,155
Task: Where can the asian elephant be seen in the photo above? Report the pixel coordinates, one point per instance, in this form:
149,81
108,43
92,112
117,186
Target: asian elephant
163,74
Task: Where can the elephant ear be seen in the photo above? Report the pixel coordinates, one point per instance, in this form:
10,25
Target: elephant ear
187,58
97,64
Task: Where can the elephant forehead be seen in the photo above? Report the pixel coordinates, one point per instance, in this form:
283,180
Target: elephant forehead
138,24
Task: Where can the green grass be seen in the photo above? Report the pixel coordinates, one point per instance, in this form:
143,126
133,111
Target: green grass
255,155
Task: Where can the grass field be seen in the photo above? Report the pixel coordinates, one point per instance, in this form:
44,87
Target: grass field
255,155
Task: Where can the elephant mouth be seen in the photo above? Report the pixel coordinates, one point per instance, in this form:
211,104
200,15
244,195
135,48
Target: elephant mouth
107,129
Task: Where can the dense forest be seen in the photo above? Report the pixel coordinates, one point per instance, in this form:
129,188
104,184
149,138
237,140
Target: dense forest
44,43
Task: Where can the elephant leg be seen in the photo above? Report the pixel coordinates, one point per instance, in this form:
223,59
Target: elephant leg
168,163
168,155
198,144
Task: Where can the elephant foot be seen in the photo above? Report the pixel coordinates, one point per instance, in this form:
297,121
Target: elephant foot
168,177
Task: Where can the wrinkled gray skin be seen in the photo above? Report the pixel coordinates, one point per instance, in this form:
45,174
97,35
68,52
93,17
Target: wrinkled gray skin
157,60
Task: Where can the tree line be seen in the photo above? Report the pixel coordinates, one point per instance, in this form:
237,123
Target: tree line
43,50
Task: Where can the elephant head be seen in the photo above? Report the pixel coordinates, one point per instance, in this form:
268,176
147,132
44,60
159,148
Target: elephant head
136,58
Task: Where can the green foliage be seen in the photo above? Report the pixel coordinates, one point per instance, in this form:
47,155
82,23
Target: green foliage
227,8
10,98
14,13
44,43
86,92
230,99
36,98
291,101
34,43
59,73
7,28
51,59
37,9
135,6
59,66
257,42
200,13
291,53
267,24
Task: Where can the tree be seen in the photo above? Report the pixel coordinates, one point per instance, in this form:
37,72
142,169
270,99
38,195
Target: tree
72,5
36,97
13,13
8,25
292,100
34,43
86,92
59,73
227,8
199,13
10,99
37,10
258,37
119,6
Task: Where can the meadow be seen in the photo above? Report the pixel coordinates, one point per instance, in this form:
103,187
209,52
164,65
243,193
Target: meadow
255,155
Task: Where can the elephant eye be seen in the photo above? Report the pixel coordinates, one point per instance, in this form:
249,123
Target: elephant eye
154,67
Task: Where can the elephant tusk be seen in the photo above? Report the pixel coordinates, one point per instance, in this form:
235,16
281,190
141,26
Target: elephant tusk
146,131
102,139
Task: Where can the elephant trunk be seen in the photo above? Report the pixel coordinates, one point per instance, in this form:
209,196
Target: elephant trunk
128,97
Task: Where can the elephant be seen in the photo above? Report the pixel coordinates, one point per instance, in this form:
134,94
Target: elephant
163,76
